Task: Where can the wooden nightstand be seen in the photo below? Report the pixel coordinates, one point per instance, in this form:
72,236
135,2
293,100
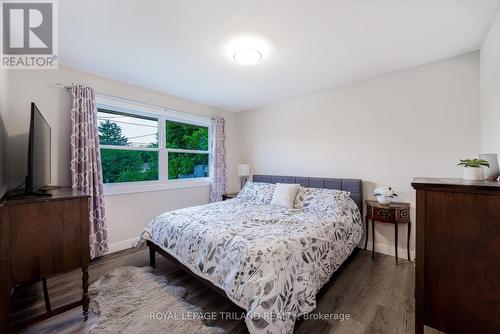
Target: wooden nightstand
229,196
394,213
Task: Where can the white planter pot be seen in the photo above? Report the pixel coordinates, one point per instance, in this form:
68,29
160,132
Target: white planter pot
490,173
384,199
473,173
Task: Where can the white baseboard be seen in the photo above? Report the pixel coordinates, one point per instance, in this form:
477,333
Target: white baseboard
388,250
121,245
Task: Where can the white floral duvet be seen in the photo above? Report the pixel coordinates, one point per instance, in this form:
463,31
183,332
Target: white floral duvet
269,260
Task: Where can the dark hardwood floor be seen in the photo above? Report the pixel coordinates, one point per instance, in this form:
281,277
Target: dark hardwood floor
376,294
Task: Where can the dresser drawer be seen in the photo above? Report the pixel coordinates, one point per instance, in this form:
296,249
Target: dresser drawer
462,255
458,252
46,238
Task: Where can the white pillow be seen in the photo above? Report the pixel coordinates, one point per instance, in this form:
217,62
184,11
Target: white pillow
284,194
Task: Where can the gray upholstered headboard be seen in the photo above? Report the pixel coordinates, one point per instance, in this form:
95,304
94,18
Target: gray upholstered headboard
355,186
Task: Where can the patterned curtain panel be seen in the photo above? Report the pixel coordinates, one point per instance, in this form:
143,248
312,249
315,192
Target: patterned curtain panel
86,169
219,166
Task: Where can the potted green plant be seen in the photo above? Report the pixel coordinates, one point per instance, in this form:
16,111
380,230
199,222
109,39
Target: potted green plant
473,168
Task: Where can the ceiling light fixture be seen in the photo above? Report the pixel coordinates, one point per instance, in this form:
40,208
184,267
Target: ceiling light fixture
247,50
247,57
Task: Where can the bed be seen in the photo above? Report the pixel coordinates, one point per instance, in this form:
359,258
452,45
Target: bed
269,260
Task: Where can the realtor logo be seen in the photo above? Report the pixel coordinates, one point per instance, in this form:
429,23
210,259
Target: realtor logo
29,34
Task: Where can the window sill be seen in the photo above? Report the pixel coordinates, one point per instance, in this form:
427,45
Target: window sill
130,188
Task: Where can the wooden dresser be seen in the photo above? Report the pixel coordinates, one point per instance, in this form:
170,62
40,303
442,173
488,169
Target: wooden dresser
39,238
458,255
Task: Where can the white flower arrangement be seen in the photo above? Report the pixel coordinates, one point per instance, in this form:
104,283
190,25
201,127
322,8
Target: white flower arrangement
384,195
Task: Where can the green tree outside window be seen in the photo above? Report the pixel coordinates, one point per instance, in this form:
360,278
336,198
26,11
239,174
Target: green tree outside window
129,165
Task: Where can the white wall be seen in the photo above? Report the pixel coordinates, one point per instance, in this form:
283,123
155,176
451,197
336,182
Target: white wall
490,90
385,130
126,214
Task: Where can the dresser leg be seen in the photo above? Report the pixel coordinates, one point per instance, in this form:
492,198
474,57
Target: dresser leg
85,295
419,327
396,241
408,240
366,231
46,295
4,309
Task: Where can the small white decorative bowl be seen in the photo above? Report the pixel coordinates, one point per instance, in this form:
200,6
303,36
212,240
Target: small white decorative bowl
384,195
384,199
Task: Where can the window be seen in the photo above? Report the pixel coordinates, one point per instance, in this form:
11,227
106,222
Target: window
129,146
187,147
142,145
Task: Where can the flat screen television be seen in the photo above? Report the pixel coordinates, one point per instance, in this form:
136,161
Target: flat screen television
38,153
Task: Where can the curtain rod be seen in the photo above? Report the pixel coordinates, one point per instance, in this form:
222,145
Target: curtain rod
69,86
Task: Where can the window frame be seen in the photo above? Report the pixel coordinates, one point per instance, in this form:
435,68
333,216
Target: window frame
162,115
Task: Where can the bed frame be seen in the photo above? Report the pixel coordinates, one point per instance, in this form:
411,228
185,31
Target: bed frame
354,186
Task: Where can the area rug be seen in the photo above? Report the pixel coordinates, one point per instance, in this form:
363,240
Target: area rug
137,300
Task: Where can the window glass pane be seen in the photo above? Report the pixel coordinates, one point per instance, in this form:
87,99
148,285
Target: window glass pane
129,165
187,165
186,136
122,129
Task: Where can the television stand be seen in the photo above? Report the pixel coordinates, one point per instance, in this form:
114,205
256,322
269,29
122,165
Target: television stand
29,194
40,238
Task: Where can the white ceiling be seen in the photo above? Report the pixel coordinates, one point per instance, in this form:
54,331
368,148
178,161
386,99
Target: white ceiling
177,47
